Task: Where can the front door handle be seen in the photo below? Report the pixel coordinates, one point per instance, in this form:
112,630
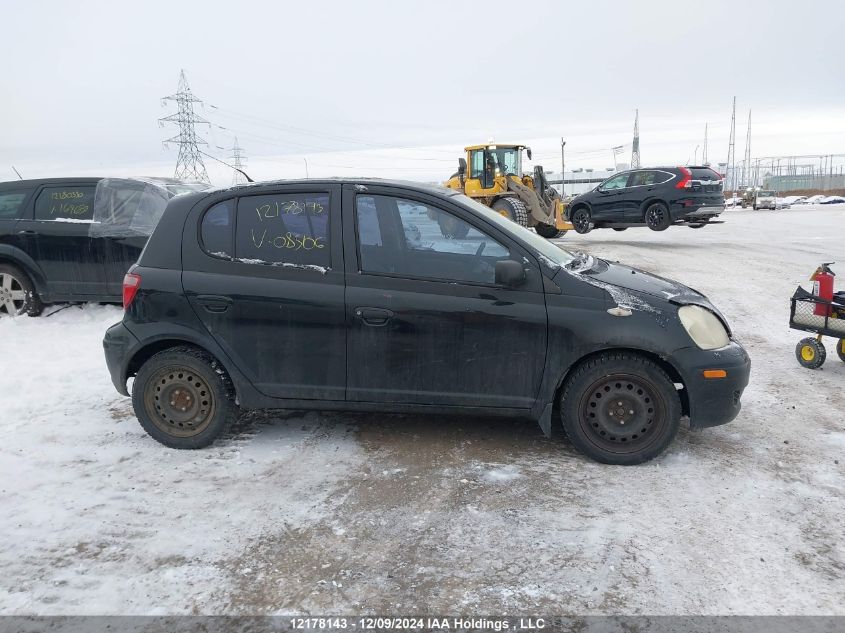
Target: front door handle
374,316
214,303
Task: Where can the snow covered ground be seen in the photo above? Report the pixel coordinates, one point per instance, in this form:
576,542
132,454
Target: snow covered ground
346,513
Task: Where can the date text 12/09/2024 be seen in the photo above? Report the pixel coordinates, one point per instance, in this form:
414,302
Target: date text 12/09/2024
379,623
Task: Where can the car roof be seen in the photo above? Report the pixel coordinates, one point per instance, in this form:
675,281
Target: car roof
257,187
26,184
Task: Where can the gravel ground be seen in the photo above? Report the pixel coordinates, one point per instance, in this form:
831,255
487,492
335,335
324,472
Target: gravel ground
370,513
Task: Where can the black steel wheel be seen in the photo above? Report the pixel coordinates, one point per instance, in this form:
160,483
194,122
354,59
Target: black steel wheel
548,231
17,293
657,217
620,408
810,353
182,400
581,220
840,349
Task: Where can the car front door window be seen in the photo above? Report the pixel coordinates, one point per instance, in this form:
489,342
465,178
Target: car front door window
412,239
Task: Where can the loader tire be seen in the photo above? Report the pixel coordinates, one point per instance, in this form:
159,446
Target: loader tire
452,228
548,231
840,349
513,209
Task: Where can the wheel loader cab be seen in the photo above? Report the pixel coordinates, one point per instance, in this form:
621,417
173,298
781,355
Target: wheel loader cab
489,165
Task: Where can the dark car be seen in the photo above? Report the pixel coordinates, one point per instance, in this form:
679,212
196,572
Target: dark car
656,197
344,295
73,239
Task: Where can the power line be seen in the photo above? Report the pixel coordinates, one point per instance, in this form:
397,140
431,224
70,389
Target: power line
189,164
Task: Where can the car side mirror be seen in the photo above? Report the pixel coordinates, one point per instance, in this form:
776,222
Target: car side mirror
462,167
510,273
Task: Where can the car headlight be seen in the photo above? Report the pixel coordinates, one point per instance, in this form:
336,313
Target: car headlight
704,327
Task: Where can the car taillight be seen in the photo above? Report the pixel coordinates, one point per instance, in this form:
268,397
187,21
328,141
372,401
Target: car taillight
131,283
686,180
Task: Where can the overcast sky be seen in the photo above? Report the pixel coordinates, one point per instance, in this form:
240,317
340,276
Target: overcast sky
397,88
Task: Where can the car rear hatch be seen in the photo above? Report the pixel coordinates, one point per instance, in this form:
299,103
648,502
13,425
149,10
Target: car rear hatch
705,180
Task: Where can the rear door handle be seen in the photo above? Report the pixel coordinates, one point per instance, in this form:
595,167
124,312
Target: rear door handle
374,316
214,303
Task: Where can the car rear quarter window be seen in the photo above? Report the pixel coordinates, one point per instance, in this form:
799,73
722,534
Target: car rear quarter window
216,230
65,204
661,176
284,228
11,204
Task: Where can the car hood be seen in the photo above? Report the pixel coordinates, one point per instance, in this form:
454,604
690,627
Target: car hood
614,277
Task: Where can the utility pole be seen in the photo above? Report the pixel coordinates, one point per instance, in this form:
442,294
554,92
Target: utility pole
189,165
635,148
730,165
616,150
562,168
238,162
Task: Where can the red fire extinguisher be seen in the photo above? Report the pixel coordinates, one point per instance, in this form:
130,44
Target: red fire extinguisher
823,287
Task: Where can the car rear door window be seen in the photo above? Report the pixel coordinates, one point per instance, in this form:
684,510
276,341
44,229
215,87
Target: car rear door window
283,228
408,238
216,230
11,204
640,178
65,204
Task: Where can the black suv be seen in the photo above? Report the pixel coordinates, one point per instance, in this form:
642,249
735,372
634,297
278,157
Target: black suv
656,197
73,239
344,295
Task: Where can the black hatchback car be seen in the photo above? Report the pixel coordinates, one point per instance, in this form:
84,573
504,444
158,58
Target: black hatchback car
344,295
73,239
656,197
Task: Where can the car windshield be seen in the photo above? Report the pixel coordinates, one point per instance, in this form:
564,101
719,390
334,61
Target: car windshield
554,257
767,194
508,160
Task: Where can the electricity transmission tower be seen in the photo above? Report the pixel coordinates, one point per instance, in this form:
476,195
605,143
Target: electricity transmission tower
189,164
704,158
238,162
635,149
746,164
730,166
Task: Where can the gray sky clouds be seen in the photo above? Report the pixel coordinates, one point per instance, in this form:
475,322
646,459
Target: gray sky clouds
338,83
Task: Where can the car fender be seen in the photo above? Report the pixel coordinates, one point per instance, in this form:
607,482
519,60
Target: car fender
19,258
651,200
572,207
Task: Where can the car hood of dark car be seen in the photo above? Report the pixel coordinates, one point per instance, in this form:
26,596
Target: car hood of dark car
644,283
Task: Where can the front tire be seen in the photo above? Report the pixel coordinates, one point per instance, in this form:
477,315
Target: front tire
17,293
620,408
810,353
183,398
582,220
657,217
548,231
513,209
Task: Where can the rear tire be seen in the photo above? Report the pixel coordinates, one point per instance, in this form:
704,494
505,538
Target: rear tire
657,217
183,398
17,293
620,408
581,220
513,209
548,231
840,349
810,353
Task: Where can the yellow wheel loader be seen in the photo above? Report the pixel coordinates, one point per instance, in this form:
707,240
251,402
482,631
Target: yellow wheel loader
496,180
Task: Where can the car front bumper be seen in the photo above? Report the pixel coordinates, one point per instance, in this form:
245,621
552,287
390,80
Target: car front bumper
116,344
714,401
